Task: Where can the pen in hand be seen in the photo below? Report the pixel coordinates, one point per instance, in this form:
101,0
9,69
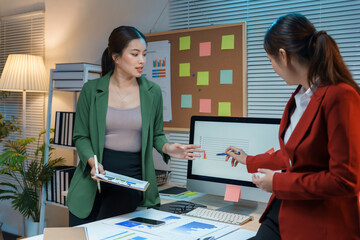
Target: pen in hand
224,154
97,172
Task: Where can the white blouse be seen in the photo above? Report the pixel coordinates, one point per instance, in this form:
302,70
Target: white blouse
302,99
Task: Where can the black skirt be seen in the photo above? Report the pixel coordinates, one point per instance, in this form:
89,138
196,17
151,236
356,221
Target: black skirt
115,200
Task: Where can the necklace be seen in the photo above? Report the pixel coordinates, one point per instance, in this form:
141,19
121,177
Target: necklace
122,98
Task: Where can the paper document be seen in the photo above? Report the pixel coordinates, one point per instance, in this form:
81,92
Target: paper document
122,180
179,227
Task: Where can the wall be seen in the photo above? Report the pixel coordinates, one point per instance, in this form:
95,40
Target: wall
77,31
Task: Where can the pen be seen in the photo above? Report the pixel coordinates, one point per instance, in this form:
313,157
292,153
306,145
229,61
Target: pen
97,172
86,233
224,154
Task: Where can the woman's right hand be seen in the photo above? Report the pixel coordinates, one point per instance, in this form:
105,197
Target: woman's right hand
91,163
235,158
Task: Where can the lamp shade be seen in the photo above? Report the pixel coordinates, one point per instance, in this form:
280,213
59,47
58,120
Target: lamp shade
24,72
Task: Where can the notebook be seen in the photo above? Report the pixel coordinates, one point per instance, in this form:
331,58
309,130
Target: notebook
68,233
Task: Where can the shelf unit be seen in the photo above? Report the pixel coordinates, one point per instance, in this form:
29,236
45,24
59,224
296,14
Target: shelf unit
87,68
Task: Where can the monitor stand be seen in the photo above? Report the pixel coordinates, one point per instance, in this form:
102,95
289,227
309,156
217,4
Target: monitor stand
244,207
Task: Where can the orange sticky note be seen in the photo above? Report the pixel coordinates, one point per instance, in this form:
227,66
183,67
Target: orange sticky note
270,151
205,49
232,193
205,106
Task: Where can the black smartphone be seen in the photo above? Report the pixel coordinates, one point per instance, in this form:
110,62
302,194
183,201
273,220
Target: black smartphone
147,221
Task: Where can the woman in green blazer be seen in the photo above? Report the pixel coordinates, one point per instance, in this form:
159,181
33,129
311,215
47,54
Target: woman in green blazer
119,118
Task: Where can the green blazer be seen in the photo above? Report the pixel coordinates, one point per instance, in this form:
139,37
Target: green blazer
89,137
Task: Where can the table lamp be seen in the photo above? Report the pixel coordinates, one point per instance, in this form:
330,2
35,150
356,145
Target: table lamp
25,73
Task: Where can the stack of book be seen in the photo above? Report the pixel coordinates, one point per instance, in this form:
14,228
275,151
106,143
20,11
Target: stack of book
57,188
74,75
64,127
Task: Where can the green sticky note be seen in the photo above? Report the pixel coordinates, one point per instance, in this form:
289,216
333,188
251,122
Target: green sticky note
203,78
224,109
227,42
186,101
226,76
184,43
184,70
190,194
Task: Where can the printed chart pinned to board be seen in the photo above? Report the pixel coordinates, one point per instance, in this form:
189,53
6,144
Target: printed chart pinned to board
208,72
157,69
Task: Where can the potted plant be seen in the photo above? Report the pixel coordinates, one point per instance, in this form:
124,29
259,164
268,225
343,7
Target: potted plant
6,126
28,175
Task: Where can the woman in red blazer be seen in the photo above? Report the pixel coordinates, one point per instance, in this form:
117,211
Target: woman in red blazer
317,194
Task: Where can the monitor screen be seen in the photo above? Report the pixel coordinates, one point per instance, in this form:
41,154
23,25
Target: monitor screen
210,173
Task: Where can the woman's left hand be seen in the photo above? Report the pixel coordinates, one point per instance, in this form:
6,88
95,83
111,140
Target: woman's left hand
182,151
266,182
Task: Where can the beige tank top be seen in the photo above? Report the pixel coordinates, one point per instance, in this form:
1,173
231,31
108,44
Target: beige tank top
123,129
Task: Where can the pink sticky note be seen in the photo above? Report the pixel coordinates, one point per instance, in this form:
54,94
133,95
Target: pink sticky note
232,193
205,106
205,49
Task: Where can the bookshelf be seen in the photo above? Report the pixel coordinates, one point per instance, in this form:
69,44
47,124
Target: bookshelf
86,71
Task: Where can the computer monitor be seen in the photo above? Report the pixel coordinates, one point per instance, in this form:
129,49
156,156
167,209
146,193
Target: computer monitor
210,173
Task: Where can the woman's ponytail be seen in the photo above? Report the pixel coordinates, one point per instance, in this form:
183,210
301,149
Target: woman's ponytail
298,36
327,63
107,63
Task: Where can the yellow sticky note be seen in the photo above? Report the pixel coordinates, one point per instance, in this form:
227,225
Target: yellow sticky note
203,78
227,42
184,70
184,43
232,193
224,109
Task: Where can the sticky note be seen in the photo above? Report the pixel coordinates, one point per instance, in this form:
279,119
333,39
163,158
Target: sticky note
205,49
190,194
226,76
186,101
184,43
203,78
232,193
224,109
227,42
184,70
205,106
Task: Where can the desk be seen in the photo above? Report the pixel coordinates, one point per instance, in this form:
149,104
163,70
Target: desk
215,202
101,229
179,227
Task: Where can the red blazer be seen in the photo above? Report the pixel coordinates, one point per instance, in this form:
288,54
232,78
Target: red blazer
320,191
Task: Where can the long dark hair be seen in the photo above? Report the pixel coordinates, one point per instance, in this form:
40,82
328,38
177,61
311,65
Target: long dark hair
299,38
118,41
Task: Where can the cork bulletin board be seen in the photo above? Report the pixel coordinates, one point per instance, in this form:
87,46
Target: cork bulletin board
208,72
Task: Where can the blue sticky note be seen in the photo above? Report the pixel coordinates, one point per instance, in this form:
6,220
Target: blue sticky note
186,101
226,76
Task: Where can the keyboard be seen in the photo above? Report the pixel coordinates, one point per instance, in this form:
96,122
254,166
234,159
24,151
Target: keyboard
220,216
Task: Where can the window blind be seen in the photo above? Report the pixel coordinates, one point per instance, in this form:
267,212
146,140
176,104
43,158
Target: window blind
23,34
178,167
267,92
